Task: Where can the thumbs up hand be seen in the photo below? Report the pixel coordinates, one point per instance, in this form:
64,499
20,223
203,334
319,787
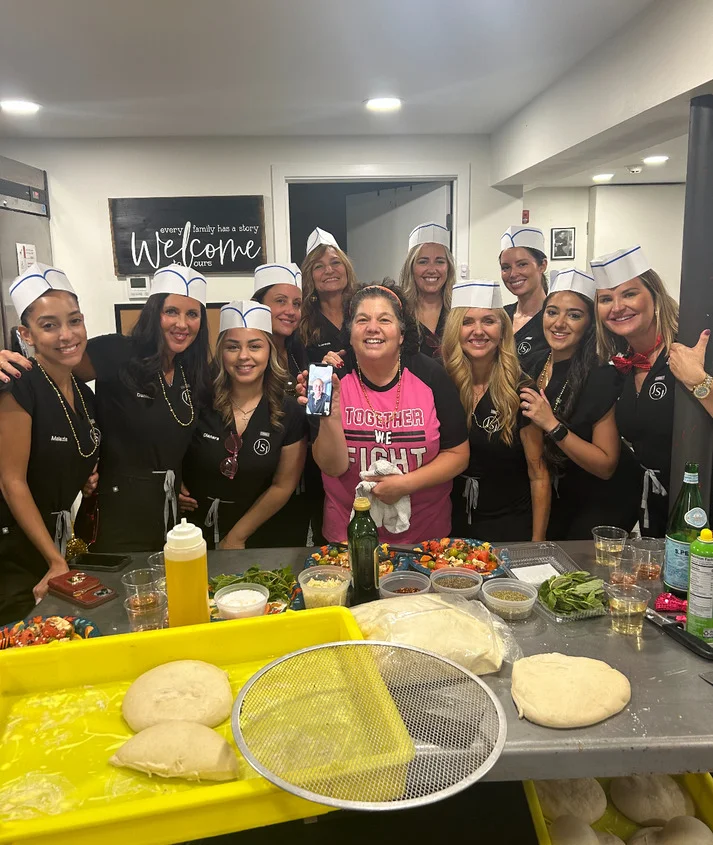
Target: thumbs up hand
687,363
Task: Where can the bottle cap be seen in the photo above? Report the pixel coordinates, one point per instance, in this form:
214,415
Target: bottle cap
706,536
185,535
361,504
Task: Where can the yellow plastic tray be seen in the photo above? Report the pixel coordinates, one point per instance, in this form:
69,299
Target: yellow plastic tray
700,787
60,721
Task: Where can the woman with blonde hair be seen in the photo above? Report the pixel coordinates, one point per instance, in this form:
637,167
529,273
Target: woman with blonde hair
248,451
427,279
637,324
504,494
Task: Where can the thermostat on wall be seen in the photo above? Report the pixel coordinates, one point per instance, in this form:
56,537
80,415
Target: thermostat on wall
138,287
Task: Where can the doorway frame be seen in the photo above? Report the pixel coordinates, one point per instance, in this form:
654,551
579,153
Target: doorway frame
456,172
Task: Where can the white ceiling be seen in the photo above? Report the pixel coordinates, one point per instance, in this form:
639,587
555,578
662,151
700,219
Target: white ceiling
104,68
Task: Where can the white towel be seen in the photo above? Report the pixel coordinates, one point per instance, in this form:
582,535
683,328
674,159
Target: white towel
394,518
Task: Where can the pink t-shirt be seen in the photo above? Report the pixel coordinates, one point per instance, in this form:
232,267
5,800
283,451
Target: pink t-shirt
430,418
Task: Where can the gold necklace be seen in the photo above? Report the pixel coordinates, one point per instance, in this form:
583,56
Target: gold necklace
161,380
390,414
247,413
95,439
543,379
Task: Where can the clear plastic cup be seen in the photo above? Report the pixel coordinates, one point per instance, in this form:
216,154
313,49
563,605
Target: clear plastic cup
608,543
625,568
157,565
627,607
400,584
229,608
147,612
457,581
324,586
648,557
139,581
512,610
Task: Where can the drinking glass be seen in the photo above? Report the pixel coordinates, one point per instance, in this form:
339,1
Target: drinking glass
139,581
146,612
625,568
158,567
627,606
608,543
648,557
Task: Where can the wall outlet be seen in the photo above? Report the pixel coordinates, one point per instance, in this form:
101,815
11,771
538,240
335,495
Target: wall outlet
464,271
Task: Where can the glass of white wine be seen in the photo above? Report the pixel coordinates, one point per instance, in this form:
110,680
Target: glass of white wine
627,606
608,543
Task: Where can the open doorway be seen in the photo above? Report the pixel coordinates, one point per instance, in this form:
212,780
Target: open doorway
371,221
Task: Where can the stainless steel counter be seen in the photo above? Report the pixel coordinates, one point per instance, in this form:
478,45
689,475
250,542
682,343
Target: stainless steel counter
667,727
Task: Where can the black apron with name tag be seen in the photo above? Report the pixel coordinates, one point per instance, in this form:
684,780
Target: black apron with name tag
331,339
529,340
431,341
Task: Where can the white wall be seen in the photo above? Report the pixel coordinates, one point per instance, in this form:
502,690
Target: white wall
557,208
83,174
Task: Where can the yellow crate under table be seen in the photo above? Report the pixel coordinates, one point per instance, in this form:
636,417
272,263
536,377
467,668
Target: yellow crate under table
60,722
700,786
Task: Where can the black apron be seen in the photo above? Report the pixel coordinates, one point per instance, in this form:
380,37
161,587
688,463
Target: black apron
331,339
530,340
431,341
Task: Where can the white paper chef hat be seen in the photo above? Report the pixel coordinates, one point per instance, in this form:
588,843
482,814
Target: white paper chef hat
318,237
574,280
245,314
181,280
429,233
523,236
267,275
477,293
618,267
34,282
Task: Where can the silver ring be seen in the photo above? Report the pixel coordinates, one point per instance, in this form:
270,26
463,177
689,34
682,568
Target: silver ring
527,405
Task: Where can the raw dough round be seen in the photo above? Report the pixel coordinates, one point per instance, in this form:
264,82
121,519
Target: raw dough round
685,830
187,690
568,830
559,691
179,750
606,838
650,800
583,798
645,836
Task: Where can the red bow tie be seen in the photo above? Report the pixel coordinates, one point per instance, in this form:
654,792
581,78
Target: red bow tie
635,360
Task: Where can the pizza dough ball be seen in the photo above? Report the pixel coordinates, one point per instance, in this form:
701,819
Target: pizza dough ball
186,690
583,798
683,830
568,830
559,691
179,750
606,838
650,800
645,836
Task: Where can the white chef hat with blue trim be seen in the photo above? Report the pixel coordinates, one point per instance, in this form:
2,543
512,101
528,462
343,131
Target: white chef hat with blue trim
34,283
181,280
528,236
573,280
429,233
267,275
245,314
477,293
614,269
319,237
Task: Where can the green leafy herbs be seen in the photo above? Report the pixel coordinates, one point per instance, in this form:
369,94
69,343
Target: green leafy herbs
278,581
572,592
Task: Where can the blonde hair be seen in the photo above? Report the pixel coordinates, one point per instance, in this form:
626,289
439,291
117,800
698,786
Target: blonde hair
407,283
665,318
505,376
273,385
309,330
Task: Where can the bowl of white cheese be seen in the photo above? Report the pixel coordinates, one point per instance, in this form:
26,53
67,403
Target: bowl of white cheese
238,601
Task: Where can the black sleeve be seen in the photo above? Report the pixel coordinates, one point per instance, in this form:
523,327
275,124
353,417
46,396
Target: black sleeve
107,353
23,389
599,394
450,413
294,421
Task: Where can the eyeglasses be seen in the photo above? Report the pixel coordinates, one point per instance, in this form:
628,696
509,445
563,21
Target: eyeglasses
229,465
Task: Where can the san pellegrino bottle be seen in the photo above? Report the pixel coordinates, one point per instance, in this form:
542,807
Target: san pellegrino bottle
686,520
363,541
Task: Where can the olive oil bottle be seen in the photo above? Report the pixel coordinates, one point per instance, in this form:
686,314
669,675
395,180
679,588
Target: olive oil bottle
363,542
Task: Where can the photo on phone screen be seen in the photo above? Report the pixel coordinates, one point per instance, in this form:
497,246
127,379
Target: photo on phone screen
319,389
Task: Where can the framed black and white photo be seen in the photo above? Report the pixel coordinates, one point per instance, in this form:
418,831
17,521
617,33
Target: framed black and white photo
562,244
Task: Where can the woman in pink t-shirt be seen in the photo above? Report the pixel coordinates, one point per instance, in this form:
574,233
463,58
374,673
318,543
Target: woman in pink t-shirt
396,404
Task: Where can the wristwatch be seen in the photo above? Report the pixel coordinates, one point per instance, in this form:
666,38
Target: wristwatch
701,391
558,433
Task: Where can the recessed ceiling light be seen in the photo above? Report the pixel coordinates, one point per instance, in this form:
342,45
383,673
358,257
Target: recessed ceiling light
603,177
19,107
384,104
656,159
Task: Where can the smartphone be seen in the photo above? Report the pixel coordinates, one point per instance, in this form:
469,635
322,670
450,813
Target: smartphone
99,562
319,390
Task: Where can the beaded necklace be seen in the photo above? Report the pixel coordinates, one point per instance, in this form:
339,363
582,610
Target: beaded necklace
380,436
543,381
63,403
188,394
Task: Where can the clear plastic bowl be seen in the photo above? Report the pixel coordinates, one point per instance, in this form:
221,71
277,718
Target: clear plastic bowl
413,582
325,586
227,610
511,611
467,592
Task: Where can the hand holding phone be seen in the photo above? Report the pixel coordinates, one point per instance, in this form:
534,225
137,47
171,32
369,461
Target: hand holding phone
319,390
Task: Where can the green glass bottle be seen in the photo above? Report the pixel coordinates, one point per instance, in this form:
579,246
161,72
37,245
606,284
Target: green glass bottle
363,553
684,524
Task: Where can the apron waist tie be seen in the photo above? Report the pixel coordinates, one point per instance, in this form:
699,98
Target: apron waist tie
170,503
651,485
62,530
470,494
211,519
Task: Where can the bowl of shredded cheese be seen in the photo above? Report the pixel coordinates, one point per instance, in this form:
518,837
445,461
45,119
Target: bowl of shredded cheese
238,601
325,586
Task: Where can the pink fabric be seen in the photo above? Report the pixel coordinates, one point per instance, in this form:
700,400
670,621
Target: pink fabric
412,439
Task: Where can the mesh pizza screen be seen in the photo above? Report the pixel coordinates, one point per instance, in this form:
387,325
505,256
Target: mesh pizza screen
366,725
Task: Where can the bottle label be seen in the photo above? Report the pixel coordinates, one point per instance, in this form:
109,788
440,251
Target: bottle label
690,478
675,568
696,518
700,598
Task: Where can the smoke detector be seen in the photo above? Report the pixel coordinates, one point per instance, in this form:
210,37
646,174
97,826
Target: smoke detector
635,168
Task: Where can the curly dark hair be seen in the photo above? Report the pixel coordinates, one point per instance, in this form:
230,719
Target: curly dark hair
388,290
148,346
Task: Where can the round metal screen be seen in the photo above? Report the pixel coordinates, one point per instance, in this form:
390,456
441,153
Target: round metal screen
368,725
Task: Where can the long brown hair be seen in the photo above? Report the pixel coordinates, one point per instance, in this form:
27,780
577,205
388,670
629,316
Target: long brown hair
408,284
505,377
309,330
273,385
665,317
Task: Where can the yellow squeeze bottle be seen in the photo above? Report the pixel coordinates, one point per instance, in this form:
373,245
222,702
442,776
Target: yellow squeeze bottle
186,575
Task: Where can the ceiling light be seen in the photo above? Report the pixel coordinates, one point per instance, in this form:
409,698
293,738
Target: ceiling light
602,177
384,104
656,159
19,107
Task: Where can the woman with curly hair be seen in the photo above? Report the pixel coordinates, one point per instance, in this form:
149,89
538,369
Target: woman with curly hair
427,279
248,450
504,493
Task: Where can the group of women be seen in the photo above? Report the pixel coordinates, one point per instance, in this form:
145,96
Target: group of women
460,416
